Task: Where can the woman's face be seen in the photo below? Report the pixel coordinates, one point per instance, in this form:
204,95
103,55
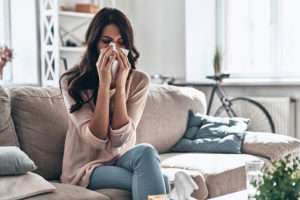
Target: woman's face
110,33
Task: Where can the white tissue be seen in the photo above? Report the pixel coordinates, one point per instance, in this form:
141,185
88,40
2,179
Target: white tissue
184,186
114,67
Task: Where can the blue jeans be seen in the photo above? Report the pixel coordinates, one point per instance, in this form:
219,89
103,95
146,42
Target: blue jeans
137,171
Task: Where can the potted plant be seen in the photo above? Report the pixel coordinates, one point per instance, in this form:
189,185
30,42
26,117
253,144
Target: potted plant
5,56
281,181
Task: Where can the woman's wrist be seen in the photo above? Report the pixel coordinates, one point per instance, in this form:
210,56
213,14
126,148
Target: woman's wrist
120,89
104,84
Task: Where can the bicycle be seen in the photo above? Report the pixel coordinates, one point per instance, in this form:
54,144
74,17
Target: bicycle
260,118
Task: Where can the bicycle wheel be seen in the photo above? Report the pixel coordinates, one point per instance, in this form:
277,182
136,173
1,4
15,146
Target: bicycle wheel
260,119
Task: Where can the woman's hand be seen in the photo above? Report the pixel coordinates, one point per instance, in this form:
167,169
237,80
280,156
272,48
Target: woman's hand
123,70
104,64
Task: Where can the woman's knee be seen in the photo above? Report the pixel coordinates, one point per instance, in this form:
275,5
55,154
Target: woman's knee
148,151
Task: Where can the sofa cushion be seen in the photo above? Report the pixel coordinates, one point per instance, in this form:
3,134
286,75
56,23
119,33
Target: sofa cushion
41,123
24,186
8,135
67,192
166,114
115,194
269,145
224,173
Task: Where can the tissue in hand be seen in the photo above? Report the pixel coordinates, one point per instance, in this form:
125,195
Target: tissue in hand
114,67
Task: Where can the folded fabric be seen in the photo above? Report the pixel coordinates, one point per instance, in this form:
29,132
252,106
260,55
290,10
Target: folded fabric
269,145
209,134
23,186
13,161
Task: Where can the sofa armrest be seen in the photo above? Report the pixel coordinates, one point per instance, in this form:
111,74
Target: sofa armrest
269,145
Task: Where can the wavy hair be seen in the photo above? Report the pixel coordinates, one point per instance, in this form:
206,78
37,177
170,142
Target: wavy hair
84,75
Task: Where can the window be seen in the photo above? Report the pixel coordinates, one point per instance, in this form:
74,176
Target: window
261,38
4,36
19,31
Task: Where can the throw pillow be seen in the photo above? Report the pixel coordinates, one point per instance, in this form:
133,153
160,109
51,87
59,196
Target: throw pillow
211,134
13,161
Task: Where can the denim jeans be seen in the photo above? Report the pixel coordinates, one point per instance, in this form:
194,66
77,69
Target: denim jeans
137,171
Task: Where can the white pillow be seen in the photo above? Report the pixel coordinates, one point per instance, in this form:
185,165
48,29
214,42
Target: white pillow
23,186
269,145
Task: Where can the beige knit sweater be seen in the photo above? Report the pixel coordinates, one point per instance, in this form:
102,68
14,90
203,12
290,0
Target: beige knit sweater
84,151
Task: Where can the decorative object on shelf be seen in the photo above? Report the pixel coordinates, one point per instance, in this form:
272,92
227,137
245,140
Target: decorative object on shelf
6,55
86,7
281,181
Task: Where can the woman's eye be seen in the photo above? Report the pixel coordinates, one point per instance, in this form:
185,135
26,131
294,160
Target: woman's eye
105,41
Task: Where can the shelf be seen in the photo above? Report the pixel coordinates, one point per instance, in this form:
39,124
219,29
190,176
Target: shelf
76,14
72,49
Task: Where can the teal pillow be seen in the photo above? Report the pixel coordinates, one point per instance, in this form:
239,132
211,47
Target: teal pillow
209,134
13,161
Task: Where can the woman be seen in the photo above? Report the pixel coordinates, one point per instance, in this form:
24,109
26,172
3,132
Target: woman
100,149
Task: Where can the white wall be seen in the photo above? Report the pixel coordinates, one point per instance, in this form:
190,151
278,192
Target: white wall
159,33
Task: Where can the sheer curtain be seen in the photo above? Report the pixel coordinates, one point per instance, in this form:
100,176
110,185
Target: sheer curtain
262,38
5,37
19,31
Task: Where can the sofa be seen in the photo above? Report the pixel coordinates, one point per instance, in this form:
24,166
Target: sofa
35,119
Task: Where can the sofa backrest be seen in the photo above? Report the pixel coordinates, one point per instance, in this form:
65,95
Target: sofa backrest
41,121
166,113
8,135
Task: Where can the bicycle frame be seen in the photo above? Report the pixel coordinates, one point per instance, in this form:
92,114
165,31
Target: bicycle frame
217,89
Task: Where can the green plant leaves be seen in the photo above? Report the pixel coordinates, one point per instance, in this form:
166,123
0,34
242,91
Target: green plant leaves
281,181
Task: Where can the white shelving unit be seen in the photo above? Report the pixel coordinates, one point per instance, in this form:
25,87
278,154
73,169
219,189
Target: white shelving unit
56,27
75,14
72,49
49,42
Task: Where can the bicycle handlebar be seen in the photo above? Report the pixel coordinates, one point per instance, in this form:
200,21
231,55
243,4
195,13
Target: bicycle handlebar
219,77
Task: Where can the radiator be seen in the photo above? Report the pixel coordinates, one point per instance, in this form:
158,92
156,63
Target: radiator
283,113
281,109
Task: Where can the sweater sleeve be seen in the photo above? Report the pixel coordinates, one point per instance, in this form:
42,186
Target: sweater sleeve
135,106
81,119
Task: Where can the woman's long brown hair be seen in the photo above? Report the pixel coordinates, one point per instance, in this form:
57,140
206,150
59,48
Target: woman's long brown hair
84,75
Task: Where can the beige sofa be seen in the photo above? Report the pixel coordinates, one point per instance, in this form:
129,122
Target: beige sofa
39,124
